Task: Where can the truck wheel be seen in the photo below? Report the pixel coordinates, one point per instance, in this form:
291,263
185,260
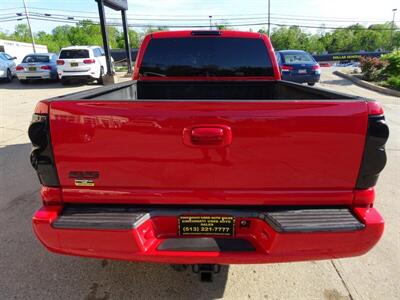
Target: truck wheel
9,76
100,80
311,83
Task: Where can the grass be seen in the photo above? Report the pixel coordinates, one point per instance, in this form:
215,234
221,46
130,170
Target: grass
121,69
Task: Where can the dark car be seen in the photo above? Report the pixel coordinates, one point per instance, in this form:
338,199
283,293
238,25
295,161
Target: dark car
298,66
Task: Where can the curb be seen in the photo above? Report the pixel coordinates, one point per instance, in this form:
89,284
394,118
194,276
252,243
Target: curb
368,85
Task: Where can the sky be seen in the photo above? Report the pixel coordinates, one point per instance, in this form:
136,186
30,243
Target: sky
188,13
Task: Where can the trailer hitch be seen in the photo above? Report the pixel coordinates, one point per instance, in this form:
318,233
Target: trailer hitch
206,271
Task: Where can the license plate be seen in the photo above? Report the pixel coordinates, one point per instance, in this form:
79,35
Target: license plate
74,64
206,225
302,71
32,68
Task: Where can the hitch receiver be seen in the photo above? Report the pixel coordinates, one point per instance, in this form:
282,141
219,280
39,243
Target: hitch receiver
206,271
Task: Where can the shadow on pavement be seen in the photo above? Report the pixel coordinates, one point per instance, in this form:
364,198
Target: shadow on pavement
341,82
33,272
39,84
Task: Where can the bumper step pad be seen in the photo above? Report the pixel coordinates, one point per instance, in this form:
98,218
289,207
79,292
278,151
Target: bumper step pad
282,219
99,217
313,220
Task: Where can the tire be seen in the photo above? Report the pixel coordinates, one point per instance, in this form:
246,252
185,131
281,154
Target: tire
311,83
9,77
100,80
64,81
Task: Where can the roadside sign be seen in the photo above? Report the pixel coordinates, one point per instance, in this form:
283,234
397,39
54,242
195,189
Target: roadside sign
117,4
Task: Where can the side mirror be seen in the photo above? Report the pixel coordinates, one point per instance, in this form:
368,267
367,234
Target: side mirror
13,58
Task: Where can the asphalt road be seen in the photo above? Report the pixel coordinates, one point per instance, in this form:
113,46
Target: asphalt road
28,271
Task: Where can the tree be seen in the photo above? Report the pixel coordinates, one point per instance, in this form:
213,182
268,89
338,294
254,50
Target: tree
21,33
347,39
134,39
151,29
289,38
223,26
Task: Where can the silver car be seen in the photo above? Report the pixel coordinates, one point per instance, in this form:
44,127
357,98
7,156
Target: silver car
38,66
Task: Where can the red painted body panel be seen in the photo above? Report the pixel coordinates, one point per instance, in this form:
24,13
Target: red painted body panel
280,146
208,197
141,244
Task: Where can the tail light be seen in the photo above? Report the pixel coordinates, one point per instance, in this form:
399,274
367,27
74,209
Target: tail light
316,68
89,61
60,62
42,158
286,68
19,68
374,159
45,67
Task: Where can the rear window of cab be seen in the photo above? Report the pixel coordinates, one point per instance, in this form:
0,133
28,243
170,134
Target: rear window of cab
73,54
206,56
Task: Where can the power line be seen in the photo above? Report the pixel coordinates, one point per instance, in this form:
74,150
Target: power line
139,25
75,20
9,20
11,8
192,20
223,17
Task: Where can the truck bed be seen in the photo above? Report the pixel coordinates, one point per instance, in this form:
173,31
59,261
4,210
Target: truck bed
207,90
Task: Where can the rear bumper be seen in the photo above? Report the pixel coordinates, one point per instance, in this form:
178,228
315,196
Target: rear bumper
36,75
78,75
151,236
301,78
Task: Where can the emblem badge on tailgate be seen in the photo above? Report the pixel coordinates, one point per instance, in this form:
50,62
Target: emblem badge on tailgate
84,178
84,182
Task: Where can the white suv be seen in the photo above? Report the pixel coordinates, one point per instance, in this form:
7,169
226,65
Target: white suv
81,63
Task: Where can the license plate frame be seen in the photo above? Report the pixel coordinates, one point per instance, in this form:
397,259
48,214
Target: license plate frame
32,69
303,71
74,64
207,225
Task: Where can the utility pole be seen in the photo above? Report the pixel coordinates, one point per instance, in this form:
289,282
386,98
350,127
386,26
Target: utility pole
391,32
109,76
29,25
269,18
126,38
210,22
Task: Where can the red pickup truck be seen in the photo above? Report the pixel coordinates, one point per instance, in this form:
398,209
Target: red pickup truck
207,157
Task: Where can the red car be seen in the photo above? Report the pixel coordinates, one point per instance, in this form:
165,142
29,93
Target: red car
208,158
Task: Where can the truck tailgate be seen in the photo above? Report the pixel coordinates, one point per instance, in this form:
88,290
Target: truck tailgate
135,149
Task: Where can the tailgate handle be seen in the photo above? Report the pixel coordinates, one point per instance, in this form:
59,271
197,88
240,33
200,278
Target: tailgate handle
207,136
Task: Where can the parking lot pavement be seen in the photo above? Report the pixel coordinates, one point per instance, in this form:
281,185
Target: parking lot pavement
29,271
18,101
